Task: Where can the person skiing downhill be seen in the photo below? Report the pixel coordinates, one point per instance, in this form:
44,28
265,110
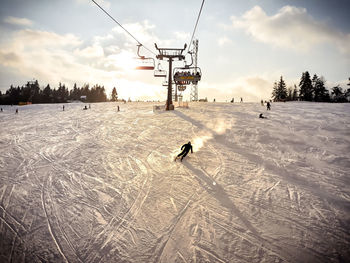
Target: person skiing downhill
185,149
268,106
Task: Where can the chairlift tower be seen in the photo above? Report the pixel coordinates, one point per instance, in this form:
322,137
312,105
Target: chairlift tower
170,54
194,87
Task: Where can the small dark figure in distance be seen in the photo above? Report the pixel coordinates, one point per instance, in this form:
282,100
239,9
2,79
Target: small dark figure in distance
241,99
1,110
63,107
268,106
118,108
262,117
185,149
16,111
85,108
262,103
89,106
233,100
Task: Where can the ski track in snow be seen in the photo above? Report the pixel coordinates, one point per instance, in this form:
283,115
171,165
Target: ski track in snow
101,185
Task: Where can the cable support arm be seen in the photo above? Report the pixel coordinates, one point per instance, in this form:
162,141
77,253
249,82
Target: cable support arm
170,52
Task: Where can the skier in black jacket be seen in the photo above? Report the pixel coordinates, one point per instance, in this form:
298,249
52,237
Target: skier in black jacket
185,149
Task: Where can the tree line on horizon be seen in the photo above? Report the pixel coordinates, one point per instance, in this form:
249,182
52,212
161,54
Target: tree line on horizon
309,90
31,92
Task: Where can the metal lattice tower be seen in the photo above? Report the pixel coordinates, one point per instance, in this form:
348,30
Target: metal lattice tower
194,87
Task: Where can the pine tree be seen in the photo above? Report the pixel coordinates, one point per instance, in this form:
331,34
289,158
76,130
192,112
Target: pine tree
62,93
279,92
306,89
290,94
295,93
74,93
114,94
275,90
35,92
283,89
320,91
337,94
47,94
314,83
347,94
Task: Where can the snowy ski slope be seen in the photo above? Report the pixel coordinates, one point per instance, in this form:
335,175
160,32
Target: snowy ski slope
101,186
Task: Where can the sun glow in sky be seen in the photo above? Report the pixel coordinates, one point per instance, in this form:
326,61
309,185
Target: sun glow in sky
127,61
244,46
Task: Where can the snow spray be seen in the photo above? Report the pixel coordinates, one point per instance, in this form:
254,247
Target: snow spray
216,128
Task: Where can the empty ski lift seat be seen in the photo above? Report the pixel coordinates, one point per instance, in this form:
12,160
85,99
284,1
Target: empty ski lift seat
145,64
160,73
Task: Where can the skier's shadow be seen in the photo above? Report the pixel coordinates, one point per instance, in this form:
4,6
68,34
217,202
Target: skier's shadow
189,119
219,193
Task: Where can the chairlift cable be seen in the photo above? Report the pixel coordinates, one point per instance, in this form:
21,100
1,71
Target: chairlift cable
195,27
123,27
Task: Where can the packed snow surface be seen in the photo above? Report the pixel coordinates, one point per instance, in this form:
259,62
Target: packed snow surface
100,185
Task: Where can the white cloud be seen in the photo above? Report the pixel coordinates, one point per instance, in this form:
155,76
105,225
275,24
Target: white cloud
31,39
53,58
222,41
18,21
143,32
183,36
250,88
93,51
291,27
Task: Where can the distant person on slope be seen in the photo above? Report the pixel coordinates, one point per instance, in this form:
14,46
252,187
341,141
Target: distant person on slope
262,117
268,106
185,149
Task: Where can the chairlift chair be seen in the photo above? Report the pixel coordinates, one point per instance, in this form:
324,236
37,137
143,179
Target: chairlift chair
159,72
181,87
144,63
187,75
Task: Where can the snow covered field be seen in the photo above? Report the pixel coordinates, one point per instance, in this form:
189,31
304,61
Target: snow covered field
101,185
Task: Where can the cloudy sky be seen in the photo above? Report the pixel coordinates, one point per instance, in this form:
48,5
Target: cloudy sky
244,45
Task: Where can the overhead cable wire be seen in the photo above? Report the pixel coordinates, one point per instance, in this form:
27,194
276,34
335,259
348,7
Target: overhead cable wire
123,27
195,27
